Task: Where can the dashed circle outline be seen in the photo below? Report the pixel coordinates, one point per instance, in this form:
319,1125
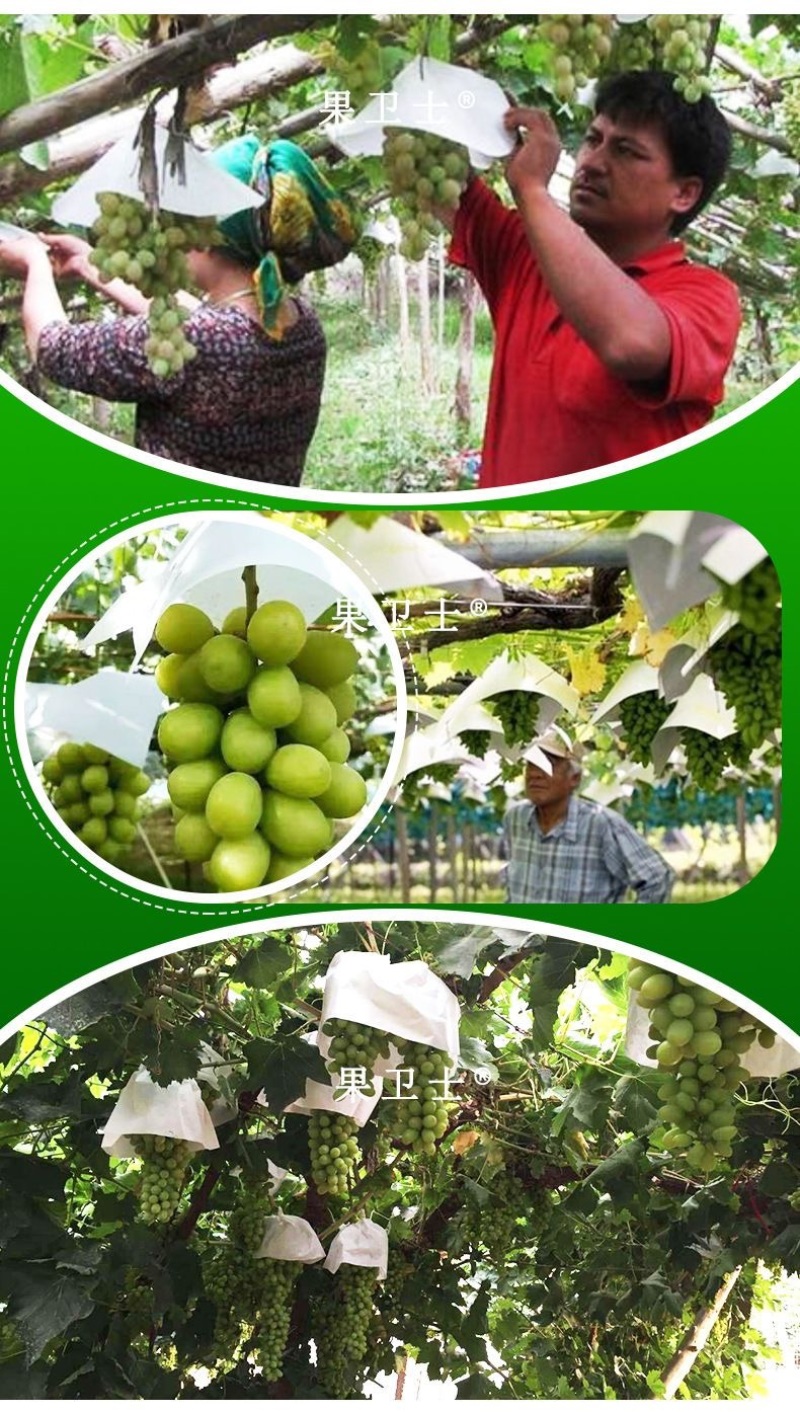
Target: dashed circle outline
85,546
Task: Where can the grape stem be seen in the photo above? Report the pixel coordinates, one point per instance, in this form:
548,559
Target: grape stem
154,858
251,590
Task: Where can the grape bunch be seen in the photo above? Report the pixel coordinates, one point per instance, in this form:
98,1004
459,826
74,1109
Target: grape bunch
355,1046
495,1225
706,757
642,717
247,1219
476,742
518,714
699,1038
342,1324
420,1113
361,76
582,43
97,796
632,48
255,746
681,42
277,1296
755,598
424,171
334,1152
746,668
147,249
164,1164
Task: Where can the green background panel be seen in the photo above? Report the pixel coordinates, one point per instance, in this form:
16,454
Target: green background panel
64,495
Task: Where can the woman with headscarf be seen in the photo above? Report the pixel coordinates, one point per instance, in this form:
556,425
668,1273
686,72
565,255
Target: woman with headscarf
248,403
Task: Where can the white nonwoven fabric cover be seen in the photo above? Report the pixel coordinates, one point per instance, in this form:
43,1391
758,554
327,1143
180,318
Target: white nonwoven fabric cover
637,678
683,661
431,96
734,555
762,1063
206,570
320,1098
397,557
278,1176
359,1243
429,747
116,711
666,552
289,1238
701,708
206,191
401,998
144,1107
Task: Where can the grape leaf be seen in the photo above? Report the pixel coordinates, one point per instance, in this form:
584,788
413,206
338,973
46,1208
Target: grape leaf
477,1058
281,1067
261,966
620,1174
44,1304
633,1101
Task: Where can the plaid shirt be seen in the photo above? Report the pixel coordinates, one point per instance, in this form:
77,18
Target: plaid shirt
592,855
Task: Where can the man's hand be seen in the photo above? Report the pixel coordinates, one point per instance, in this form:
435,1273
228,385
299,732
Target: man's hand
534,160
70,257
17,256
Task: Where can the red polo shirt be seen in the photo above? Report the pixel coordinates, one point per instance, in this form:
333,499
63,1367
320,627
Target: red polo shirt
553,407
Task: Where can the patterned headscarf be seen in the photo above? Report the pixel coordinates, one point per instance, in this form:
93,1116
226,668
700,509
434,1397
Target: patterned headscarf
303,224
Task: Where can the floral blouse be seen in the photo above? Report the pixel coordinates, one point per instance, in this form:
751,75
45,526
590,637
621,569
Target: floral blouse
247,405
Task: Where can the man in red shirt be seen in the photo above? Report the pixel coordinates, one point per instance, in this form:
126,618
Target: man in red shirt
609,342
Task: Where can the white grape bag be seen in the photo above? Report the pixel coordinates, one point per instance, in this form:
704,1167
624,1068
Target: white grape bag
116,711
206,571
430,96
321,1098
289,1238
760,1062
214,1074
359,1243
402,998
206,191
639,677
701,708
666,554
398,557
144,1108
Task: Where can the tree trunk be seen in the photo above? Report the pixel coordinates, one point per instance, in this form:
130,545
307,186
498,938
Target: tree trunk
441,256
743,869
403,860
682,1362
169,64
401,277
433,841
777,800
452,854
427,373
468,304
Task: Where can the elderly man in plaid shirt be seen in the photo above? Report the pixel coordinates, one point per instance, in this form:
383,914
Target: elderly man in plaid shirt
564,849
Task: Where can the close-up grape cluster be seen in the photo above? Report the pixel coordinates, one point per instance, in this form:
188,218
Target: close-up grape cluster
706,757
342,1323
642,716
360,76
148,249
582,43
518,714
676,43
425,171
354,1046
699,1038
96,795
334,1152
255,746
164,1164
476,742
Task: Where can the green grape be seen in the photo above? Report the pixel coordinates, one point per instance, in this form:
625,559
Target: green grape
518,714
164,1164
420,1115
791,117
96,795
706,757
746,668
277,1297
681,42
147,249
424,171
642,717
360,76
342,1321
335,1152
755,598
355,1046
476,742
580,45
701,1038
